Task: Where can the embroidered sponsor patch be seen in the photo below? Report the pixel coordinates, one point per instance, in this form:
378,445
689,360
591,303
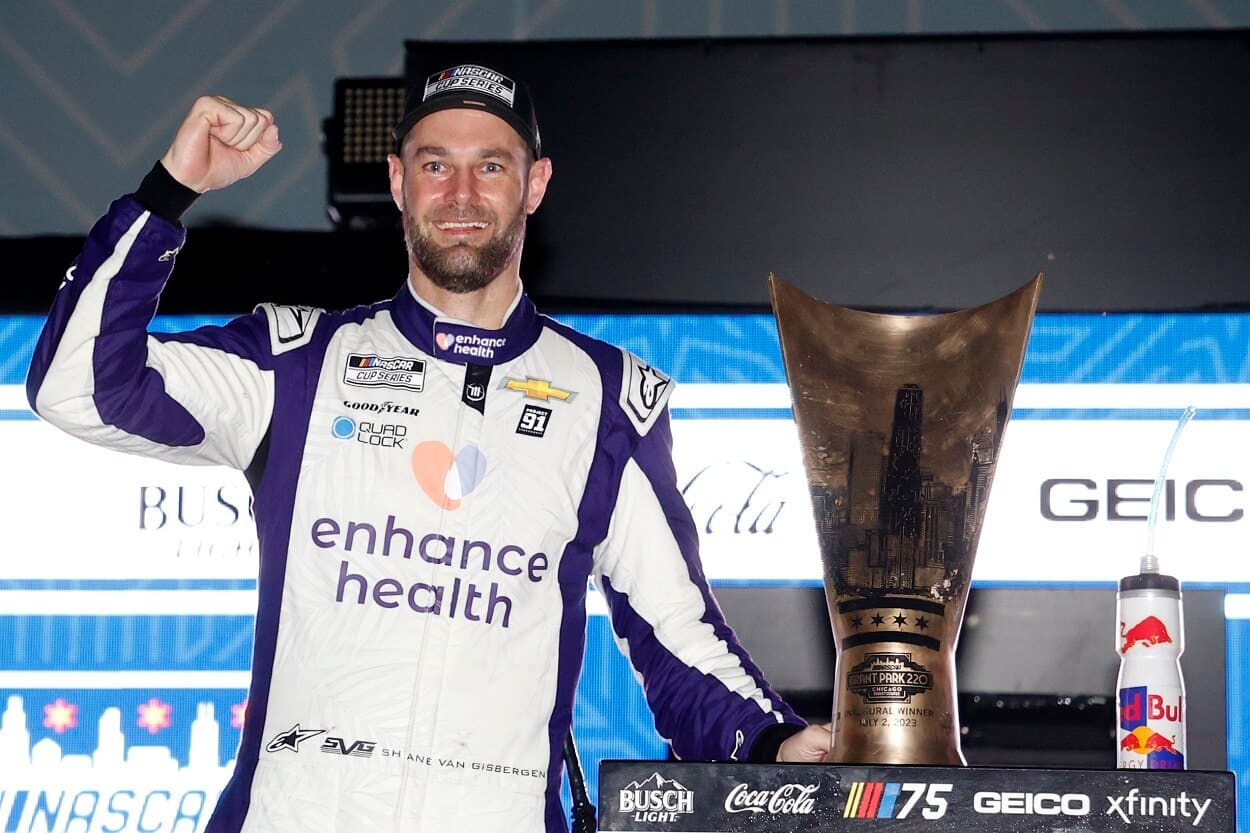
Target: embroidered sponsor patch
471,77
644,392
289,326
534,421
370,371
540,389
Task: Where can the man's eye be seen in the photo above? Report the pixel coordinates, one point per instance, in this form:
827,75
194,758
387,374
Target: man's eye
435,167
492,167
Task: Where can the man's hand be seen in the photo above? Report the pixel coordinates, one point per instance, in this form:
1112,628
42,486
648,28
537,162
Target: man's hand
219,143
809,746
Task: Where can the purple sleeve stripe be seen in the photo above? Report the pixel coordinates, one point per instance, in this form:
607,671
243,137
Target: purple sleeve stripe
111,238
694,711
654,458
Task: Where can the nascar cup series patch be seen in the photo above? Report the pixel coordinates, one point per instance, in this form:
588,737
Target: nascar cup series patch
471,77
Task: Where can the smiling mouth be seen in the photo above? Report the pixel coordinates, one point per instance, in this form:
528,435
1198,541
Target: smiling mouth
460,225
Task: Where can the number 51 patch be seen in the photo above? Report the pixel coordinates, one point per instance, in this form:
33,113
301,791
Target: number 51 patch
533,421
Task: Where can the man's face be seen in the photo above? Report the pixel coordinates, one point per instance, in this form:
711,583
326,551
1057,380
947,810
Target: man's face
465,185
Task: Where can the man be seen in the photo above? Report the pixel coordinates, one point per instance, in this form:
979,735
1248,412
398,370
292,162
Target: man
436,477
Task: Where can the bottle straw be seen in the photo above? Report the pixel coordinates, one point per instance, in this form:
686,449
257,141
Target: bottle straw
1149,563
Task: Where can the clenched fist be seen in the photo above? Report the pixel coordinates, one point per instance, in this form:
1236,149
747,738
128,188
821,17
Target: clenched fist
219,143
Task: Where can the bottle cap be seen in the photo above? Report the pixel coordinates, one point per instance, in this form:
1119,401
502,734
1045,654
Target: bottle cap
1150,581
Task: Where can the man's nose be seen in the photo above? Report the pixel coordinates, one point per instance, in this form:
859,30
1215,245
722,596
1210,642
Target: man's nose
464,187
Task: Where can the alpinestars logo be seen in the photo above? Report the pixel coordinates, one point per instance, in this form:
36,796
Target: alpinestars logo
657,799
292,738
645,389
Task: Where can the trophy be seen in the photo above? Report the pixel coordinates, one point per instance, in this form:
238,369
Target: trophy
901,421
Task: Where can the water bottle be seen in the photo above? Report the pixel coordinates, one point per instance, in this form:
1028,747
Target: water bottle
1150,692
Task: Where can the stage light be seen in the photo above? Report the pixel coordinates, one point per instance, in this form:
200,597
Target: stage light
356,140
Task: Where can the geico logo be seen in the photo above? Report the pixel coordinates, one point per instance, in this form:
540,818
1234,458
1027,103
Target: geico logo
1039,804
1128,499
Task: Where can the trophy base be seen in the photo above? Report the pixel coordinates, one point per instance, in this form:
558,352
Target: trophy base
876,755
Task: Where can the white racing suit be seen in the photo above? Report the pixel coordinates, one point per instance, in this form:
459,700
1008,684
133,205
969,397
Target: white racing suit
431,500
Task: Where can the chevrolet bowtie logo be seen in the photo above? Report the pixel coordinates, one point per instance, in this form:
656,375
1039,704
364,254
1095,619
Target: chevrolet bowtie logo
539,389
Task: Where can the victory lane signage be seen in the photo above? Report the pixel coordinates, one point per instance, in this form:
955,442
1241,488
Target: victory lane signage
785,798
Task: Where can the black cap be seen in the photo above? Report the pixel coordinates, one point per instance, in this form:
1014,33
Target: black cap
473,87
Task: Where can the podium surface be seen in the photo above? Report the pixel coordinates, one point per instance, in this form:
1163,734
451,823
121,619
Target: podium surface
777,798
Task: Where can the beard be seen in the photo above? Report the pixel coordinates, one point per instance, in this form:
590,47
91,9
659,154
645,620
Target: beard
462,268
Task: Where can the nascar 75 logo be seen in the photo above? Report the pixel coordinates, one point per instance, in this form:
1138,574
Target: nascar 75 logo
892,800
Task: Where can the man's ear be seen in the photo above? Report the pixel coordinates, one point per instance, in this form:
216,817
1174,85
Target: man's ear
539,176
395,171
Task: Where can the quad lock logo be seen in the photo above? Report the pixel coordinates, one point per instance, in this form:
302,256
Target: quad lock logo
380,434
657,799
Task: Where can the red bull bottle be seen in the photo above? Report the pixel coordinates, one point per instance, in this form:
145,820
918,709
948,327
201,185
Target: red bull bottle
1150,691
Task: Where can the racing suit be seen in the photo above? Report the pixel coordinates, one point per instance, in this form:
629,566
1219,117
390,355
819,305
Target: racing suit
431,500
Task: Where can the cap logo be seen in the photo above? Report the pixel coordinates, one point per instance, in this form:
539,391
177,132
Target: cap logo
471,77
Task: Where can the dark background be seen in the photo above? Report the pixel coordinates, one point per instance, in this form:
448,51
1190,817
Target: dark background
889,173
896,173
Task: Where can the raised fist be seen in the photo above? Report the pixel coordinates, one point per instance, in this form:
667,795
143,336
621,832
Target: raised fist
219,143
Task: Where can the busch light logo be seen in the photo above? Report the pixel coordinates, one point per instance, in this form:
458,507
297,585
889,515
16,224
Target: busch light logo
788,799
656,799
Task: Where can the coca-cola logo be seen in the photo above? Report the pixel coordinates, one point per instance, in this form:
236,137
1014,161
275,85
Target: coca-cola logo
788,799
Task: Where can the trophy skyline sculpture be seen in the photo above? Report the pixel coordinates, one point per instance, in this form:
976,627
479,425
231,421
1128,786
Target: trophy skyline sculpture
901,421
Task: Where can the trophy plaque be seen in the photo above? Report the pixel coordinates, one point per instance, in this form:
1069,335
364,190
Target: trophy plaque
901,421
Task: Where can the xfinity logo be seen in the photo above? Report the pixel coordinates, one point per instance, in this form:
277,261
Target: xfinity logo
1031,804
1128,499
1134,804
788,799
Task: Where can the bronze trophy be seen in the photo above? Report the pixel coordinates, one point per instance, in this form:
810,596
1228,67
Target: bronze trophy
901,420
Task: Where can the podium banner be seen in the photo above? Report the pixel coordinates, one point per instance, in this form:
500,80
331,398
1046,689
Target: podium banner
791,798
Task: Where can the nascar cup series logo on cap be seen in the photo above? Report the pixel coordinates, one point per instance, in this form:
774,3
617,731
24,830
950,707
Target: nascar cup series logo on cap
471,77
